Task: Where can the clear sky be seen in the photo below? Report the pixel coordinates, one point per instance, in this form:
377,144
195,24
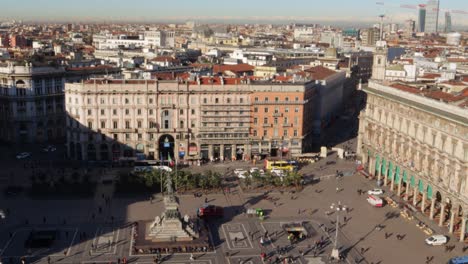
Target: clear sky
276,10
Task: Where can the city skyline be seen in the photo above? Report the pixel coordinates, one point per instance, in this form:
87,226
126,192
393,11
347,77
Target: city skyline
207,10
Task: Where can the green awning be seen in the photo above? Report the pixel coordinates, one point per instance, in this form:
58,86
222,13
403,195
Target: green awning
421,186
397,175
384,167
429,192
405,176
377,163
390,170
413,181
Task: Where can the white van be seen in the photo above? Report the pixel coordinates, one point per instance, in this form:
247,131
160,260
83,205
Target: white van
436,240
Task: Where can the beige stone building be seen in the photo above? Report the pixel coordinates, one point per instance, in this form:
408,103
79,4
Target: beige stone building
206,118
416,142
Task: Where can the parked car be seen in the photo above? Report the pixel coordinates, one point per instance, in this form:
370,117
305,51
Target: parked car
210,211
375,201
375,192
241,173
49,148
436,240
23,155
278,172
256,169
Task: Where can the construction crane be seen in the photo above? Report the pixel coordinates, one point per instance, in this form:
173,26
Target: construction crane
453,11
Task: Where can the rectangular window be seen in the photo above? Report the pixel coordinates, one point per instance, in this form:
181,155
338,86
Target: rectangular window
127,124
114,124
103,101
181,111
139,111
127,136
255,133
150,100
285,132
265,133
266,99
166,124
116,137
265,120
255,120
103,112
139,124
151,111
286,110
241,100
114,111
181,124
275,120
127,112
192,123
295,133
276,99
103,124
256,99
193,111
296,109
266,109
90,112
255,109
140,136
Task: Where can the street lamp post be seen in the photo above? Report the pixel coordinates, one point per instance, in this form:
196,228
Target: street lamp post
339,208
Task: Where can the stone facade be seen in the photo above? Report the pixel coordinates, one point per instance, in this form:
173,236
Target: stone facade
210,119
418,147
31,103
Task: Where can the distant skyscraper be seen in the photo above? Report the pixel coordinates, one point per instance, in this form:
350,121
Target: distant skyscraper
409,27
448,22
432,16
421,18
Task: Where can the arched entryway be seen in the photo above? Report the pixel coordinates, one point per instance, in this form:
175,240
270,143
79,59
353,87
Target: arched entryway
166,147
79,153
104,152
72,150
91,152
115,151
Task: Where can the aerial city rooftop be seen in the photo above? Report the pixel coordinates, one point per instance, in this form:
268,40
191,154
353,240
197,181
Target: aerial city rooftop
217,140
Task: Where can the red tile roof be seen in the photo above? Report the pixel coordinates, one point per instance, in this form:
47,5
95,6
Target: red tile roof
238,68
320,72
431,75
406,88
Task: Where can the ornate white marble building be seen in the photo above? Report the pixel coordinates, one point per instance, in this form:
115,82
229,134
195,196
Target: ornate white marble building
418,147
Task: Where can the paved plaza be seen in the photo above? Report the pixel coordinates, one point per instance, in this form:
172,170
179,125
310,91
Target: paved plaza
85,235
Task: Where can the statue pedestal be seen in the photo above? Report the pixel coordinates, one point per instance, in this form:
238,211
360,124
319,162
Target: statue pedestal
170,227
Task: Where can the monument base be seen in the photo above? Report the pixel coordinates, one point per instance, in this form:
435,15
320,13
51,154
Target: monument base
143,244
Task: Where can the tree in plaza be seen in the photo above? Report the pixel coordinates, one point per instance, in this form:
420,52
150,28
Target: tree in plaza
295,178
215,180
203,182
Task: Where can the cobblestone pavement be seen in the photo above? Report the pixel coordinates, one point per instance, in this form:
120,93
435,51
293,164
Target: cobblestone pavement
86,235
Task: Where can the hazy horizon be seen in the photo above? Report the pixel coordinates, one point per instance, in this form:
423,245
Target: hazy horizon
243,11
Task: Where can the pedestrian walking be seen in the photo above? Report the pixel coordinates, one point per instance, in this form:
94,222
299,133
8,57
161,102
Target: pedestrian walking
206,199
48,259
362,250
191,257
